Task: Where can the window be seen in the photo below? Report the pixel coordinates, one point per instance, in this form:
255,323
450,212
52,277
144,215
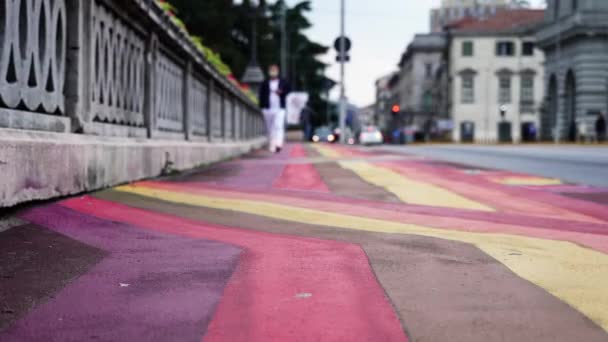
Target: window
428,101
556,9
467,49
504,89
574,5
428,70
505,49
527,93
468,88
527,49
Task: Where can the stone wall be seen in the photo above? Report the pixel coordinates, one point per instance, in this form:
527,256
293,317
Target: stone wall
101,92
576,46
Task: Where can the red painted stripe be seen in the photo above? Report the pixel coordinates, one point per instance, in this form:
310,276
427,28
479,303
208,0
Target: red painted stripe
285,288
304,177
298,151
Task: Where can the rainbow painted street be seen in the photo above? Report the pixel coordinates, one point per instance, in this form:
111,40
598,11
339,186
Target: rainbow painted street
318,243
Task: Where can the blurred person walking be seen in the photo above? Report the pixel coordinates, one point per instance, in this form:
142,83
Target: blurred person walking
600,128
273,99
306,122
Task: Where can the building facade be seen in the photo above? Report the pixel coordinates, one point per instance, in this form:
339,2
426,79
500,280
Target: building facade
575,41
418,95
497,76
454,10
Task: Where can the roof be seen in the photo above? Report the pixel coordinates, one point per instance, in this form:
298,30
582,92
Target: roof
384,81
504,21
428,42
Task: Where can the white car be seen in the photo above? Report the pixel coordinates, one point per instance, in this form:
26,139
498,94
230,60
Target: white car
371,135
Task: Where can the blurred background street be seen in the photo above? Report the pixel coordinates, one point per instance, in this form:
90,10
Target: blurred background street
577,164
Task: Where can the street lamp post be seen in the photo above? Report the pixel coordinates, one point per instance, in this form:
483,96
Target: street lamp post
342,74
284,65
253,76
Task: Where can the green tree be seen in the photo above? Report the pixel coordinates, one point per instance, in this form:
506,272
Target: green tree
225,27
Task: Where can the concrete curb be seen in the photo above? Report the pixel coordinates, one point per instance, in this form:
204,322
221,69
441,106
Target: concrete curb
42,165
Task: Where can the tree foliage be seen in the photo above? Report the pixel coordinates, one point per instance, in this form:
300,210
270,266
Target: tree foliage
225,27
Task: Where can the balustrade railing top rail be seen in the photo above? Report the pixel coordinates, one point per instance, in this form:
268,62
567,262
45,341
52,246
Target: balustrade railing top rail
112,67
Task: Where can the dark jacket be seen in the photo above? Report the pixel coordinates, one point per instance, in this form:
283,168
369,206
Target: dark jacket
600,125
264,96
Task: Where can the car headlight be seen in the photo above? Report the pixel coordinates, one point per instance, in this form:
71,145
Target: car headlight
315,138
331,138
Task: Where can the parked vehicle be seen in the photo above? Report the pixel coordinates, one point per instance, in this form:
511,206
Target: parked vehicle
371,135
324,134
348,134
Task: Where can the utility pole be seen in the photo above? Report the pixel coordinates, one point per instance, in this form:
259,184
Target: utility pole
342,72
284,65
557,136
254,76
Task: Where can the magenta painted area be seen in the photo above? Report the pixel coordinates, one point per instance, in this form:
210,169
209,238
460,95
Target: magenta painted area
170,285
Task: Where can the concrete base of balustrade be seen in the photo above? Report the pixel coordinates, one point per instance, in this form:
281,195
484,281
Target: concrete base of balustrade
38,166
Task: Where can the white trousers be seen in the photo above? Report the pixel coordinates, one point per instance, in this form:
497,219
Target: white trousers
275,126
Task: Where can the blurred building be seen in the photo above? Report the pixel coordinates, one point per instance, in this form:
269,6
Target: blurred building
419,94
367,115
575,41
453,10
497,76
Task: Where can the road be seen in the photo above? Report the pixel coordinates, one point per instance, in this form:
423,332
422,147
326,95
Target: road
318,243
578,164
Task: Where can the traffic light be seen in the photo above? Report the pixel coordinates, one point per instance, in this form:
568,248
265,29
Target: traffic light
396,109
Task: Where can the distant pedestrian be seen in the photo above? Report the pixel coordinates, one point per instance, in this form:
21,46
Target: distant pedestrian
573,131
273,100
306,120
600,128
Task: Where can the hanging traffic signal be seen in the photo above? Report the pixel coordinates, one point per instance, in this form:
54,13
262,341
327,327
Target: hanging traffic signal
396,109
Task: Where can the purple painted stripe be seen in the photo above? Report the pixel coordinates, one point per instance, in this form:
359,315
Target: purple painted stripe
244,175
571,189
170,285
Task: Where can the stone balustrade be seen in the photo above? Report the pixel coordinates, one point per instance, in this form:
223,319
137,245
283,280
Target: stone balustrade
95,93
112,68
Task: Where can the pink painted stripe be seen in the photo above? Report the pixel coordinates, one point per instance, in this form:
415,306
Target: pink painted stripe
285,288
303,177
503,198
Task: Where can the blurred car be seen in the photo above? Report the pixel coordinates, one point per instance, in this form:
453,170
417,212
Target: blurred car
371,135
349,137
324,134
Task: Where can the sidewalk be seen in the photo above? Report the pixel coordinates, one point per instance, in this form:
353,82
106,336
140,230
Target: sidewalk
318,243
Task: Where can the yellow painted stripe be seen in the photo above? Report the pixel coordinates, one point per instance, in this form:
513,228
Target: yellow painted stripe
406,189
528,181
576,275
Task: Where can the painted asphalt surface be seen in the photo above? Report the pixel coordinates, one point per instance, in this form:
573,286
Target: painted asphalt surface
578,164
319,243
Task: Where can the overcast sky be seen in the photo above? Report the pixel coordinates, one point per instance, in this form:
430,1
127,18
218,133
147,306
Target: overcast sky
380,31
